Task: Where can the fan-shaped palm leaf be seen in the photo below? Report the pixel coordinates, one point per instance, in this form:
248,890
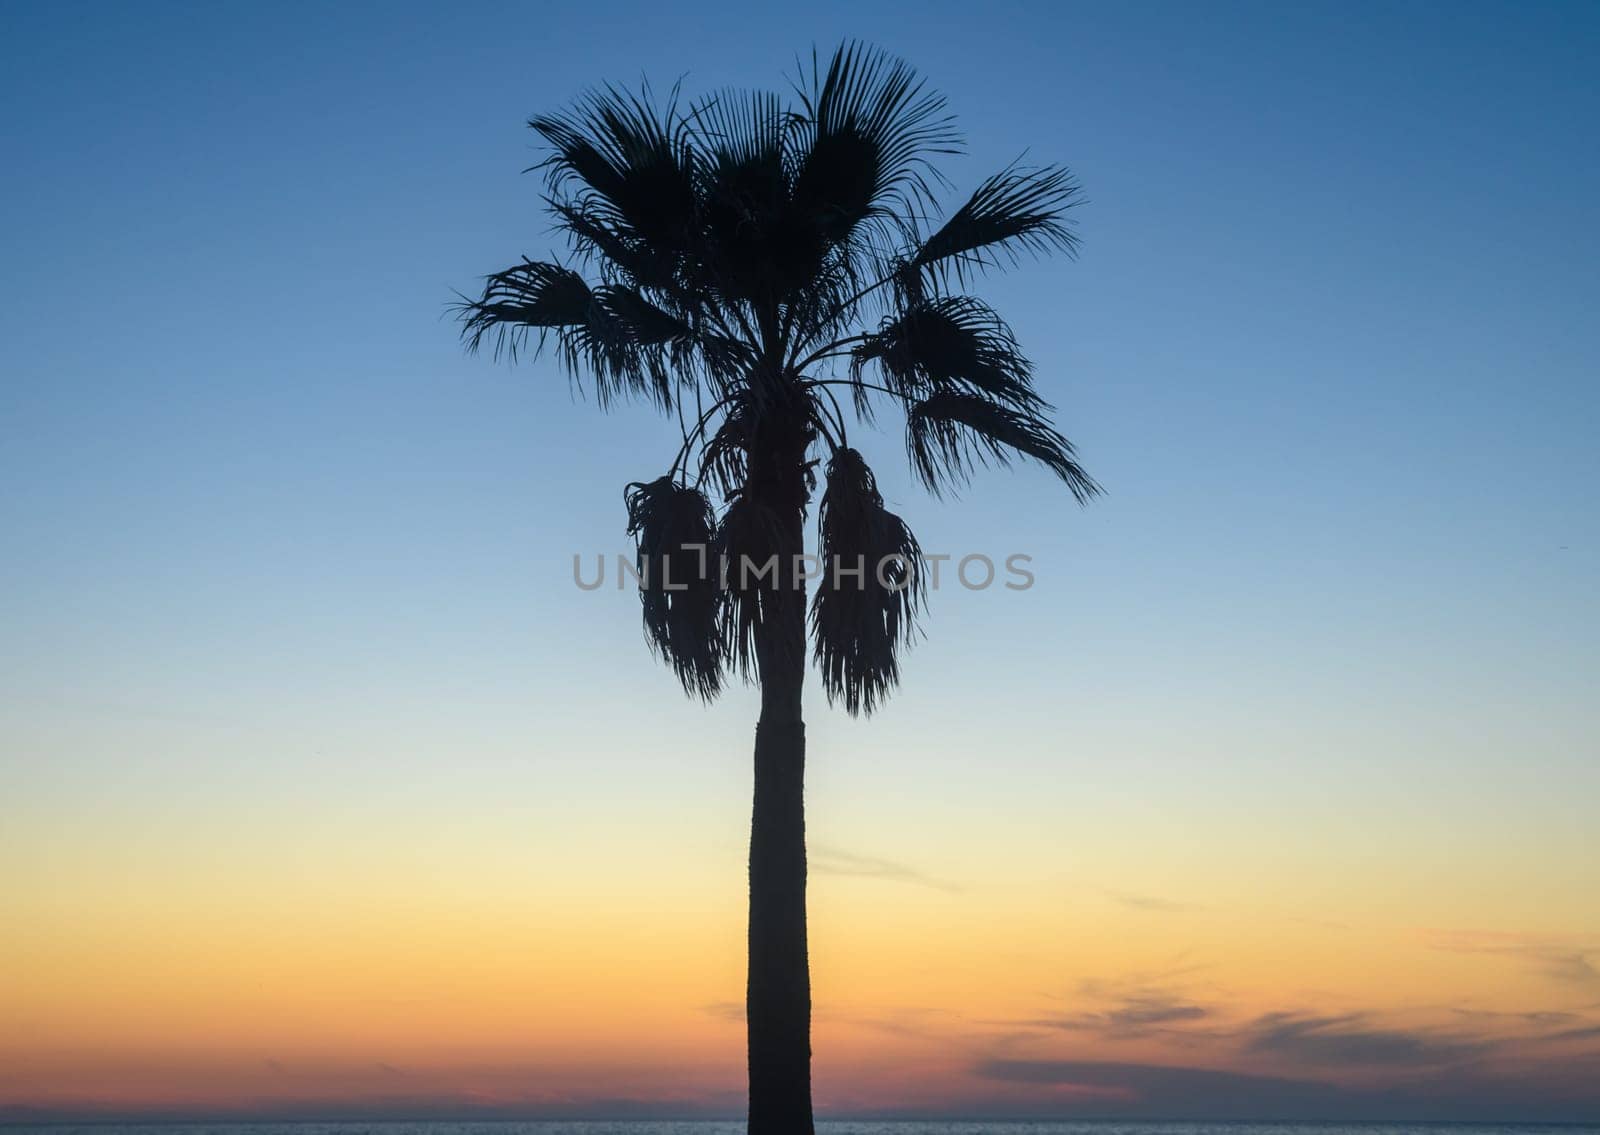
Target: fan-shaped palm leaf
533,295
612,333
953,342
627,162
868,132
1016,210
950,432
754,245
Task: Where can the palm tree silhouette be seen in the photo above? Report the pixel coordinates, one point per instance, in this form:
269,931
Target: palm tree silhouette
742,264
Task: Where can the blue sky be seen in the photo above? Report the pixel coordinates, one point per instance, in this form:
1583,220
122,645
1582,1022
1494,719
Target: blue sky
1330,345
1327,344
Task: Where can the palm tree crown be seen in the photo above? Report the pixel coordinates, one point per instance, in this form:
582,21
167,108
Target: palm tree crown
742,264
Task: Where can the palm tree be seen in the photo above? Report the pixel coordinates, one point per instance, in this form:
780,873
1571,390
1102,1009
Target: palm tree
745,265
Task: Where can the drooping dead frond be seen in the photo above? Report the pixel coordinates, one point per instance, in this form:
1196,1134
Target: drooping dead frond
949,433
871,589
675,531
750,555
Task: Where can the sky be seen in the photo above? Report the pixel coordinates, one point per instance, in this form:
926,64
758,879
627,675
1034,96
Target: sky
324,791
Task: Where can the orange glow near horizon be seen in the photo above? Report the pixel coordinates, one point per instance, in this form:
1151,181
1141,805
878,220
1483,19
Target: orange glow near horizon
241,988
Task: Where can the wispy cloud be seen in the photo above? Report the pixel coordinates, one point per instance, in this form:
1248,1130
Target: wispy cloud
826,860
1185,1013
1570,959
1134,1004
1175,975
1351,1040
1536,1018
725,1010
1154,1091
1159,1090
1136,1015
1149,903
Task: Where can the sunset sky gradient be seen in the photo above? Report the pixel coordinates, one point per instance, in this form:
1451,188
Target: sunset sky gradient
324,792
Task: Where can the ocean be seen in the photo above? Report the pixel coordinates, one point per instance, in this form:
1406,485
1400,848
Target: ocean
824,1127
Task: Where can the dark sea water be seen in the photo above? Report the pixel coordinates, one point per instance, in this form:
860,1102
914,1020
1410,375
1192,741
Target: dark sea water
824,1127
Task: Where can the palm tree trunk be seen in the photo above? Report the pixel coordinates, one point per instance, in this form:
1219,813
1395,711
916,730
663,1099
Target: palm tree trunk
778,994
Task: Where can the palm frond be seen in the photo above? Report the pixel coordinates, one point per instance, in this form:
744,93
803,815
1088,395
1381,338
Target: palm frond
646,324
950,432
725,362
675,531
725,459
948,343
753,244
615,252
1017,210
625,160
742,130
607,347
532,296
862,616
868,131
613,333
828,307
